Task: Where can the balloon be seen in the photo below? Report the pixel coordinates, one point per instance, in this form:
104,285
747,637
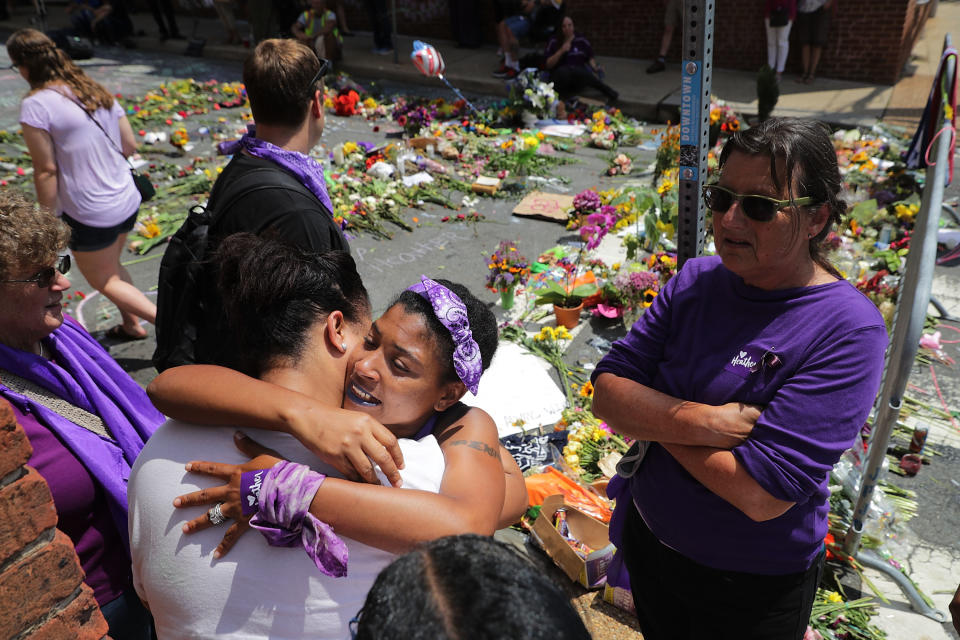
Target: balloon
427,59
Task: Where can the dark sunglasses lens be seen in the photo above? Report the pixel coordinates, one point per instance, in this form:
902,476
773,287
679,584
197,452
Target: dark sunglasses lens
759,209
717,199
46,277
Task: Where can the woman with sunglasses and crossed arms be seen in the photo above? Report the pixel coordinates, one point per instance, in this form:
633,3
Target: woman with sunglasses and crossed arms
749,376
85,418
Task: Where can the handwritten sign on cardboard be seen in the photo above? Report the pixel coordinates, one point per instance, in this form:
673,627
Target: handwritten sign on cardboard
549,206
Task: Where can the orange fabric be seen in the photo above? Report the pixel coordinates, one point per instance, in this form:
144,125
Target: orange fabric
552,482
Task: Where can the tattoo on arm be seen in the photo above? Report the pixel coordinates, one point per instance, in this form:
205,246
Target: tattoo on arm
479,446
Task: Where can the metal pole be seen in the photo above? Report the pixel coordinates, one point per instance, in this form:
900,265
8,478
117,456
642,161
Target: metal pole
695,79
907,329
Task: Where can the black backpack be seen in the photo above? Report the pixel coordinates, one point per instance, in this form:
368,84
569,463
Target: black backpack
180,309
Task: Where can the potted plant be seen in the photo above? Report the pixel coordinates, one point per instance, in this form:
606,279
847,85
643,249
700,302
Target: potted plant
507,270
567,301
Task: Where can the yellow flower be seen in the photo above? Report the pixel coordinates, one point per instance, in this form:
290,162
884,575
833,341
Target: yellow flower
666,228
531,142
150,230
370,103
561,333
906,212
573,460
586,390
598,127
349,147
833,596
665,187
599,116
714,116
860,156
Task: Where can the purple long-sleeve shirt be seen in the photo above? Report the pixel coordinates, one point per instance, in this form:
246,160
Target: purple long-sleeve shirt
709,338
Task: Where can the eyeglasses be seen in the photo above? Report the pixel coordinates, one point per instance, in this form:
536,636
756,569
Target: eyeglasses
48,275
324,69
755,207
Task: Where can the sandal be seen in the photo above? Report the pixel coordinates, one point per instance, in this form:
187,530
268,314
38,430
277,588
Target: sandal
117,332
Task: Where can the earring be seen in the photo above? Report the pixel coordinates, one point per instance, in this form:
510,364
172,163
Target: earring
343,346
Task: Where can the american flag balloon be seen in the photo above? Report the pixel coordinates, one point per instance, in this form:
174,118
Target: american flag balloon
427,59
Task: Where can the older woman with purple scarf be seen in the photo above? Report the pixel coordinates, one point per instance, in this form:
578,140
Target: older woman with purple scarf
86,419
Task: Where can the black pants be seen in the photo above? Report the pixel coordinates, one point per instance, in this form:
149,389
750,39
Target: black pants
679,599
168,28
380,21
569,81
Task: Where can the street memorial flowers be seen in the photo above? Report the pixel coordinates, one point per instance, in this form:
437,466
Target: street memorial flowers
507,270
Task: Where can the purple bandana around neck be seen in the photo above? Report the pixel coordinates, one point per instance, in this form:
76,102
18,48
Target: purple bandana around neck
284,517
305,168
452,313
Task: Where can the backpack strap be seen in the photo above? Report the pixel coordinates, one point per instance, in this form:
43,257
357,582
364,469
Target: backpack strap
249,183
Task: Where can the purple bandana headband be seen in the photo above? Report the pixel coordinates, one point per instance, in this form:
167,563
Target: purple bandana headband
452,314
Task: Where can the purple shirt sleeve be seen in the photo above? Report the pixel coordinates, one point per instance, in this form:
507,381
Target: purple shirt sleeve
34,113
637,355
815,416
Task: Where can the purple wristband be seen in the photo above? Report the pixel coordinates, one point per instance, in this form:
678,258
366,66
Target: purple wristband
250,484
284,517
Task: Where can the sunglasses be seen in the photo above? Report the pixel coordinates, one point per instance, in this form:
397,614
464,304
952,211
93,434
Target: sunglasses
48,275
324,69
759,208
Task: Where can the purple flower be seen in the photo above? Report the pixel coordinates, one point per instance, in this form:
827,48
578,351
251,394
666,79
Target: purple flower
586,201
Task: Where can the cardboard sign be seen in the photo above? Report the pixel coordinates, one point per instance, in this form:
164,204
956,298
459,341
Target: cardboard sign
549,206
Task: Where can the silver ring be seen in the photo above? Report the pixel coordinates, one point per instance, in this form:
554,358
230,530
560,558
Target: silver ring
216,515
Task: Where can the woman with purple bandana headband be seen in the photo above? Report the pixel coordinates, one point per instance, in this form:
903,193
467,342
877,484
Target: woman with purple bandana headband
409,373
404,372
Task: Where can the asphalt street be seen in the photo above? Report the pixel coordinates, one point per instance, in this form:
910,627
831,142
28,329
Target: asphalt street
456,251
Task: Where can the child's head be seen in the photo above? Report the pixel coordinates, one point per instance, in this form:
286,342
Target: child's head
422,355
318,5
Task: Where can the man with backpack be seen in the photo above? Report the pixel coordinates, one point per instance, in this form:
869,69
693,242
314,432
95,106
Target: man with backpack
270,187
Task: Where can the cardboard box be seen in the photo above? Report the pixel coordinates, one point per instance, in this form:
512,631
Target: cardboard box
590,572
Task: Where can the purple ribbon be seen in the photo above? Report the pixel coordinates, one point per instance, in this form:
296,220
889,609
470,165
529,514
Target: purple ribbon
305,168
284,517
452,314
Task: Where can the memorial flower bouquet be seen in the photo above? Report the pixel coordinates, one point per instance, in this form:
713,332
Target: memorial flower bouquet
531,95
508,269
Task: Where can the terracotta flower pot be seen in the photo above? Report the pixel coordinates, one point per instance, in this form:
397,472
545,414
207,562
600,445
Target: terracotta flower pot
568,317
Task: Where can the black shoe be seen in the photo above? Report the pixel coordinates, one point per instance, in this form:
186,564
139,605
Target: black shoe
657,66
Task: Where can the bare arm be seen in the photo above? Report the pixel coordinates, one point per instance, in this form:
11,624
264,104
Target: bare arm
635,410
721,472
211,395
470,500
298,32
43,155
516,500
557,55
128,143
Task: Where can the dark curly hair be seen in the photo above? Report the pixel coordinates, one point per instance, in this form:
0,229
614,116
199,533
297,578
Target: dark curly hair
810,161
467,586
273,293
483,325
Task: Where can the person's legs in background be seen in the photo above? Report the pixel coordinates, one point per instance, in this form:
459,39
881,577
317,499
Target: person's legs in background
168,26
778,46
262,23
380,19
569,81
672,17
224,10
102,269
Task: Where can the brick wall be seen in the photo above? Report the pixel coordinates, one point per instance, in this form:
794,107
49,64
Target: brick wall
41,583
870,40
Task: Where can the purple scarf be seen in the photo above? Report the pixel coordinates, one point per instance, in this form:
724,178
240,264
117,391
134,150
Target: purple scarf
307,170
86,376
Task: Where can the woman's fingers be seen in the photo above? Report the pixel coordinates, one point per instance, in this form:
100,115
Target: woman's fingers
213,495
217,469
379,454
230,538
359,460
389,440
251,447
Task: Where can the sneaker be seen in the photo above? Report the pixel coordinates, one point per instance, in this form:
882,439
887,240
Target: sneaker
657,66
507,73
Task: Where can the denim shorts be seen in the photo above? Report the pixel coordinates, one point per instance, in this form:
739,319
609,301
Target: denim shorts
519,25
87,238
